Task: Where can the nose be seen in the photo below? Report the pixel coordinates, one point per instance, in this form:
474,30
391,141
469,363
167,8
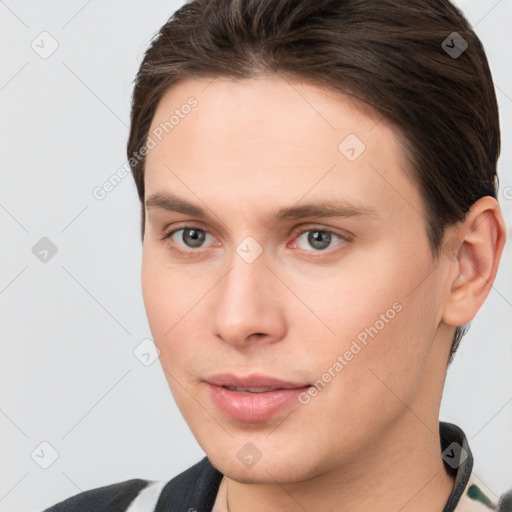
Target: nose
249,304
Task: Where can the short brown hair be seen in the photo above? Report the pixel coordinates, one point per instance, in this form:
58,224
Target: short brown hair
393,54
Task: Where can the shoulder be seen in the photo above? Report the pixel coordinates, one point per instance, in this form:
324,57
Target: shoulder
477,497
114,498
198,483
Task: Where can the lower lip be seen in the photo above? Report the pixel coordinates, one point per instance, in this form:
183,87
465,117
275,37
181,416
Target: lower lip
253,407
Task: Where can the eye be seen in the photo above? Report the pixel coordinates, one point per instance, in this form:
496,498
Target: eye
319,239
191,237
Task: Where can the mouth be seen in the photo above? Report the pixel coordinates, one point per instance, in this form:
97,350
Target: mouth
252,383
250,390
255,398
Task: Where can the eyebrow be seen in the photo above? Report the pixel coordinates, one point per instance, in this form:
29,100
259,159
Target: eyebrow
327,208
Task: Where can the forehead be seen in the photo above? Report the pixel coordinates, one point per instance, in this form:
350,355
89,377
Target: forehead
261,107
272,136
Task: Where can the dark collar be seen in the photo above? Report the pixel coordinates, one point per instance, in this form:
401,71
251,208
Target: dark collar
457,458
196,488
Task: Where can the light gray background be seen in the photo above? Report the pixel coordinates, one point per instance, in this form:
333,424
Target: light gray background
69,326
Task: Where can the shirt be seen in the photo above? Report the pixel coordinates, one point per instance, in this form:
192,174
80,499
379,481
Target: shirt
195,489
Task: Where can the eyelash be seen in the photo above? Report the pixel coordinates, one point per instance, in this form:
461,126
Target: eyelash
298,232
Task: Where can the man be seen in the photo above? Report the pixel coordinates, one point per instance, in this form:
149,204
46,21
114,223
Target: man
319,223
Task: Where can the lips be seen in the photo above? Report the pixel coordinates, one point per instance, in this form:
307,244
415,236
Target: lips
254,381
249,390
255,398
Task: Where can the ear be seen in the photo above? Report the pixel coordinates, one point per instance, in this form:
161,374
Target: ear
475,250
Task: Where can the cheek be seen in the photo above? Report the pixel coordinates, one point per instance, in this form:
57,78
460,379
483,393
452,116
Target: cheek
374,318
353,297
160,292
173,308
160,300
154,292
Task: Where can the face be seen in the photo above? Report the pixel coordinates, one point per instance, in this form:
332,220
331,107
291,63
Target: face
285,250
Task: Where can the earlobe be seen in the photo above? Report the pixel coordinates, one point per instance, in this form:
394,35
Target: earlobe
481,237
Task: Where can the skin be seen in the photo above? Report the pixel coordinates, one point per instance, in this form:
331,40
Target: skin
249,148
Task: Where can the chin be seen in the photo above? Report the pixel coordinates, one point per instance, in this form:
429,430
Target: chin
276,466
